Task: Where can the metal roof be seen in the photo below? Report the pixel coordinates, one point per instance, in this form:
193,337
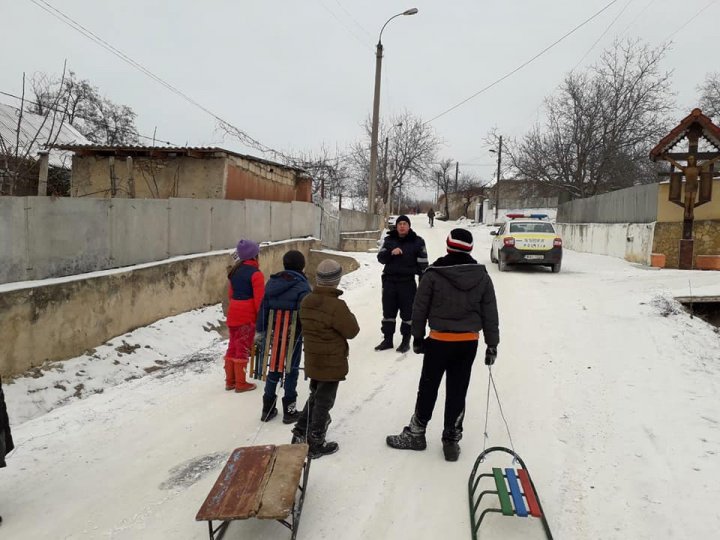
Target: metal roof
37,131
192,151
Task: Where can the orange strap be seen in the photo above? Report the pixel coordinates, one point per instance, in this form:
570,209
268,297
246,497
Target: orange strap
454,336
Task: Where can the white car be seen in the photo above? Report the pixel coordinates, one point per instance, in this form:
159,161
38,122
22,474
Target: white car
526,240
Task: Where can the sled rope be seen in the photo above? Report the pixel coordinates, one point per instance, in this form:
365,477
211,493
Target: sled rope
491,380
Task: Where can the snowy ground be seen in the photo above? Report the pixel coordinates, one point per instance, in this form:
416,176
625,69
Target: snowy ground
608,387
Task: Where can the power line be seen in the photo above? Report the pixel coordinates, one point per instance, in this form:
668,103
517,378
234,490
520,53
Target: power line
521,66
691,19
607,29
346,27
69,21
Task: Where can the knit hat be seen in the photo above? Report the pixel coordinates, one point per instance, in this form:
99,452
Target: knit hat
402,218
294,260
328,273
247,249
459,241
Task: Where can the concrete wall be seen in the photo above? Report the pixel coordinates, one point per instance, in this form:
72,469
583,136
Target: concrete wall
629,241
42,237
637,204
352,220
672,213
182,177
62,320
667,240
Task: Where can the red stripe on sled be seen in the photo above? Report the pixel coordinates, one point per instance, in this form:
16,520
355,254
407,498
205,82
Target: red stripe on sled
529,493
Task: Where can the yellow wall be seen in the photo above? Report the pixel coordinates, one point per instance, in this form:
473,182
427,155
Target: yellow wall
672,213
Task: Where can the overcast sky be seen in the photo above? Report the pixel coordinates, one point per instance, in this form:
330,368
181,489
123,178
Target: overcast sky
295,74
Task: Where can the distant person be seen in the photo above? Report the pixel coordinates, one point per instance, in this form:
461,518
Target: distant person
404,255
6,440
246,288
284,290
327,324
431,217
456,299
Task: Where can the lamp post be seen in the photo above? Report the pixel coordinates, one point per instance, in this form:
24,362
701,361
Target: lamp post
497,182
376,114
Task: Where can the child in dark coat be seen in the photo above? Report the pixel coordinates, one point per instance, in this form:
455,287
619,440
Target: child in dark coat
284,290
246,287
327,325
6,441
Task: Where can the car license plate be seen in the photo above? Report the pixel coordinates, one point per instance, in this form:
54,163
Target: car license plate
534,257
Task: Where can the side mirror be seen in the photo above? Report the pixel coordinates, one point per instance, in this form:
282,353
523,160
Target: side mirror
493,233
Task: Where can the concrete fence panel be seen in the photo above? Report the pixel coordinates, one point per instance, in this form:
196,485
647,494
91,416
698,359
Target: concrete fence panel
304,219
13,240
65,238
637,204
257,220
189,226
629,241
280,221
227,223
138,231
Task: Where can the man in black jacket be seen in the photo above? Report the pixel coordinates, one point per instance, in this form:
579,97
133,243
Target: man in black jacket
456,299
404,255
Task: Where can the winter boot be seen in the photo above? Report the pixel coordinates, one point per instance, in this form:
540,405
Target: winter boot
269,410
404,345
451,449
324,448
298,438
411,438
229,374
241,385
290,412
385,344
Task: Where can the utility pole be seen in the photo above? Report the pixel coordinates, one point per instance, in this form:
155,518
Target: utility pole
457,171
497,182
437,190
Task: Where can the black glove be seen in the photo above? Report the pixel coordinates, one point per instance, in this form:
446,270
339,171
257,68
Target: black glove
490,355
419,345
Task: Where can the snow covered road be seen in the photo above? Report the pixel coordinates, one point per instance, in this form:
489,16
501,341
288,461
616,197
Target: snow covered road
609,390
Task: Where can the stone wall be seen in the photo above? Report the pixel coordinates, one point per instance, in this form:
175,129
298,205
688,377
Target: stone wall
667,240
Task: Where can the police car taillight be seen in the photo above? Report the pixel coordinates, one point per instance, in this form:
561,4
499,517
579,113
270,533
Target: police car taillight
509,241
557,242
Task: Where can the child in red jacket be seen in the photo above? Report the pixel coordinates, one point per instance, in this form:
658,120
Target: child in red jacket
246,288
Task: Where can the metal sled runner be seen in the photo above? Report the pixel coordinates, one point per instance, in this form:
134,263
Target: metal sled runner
262,482
514,489
276,353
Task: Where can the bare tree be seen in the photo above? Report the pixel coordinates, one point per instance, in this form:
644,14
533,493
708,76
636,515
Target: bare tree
469,188
442,180
96,117
710,96
407,150
329,172
18,152
600,124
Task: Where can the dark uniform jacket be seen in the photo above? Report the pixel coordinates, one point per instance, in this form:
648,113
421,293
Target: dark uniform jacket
327,325
412,262
6,441
456,294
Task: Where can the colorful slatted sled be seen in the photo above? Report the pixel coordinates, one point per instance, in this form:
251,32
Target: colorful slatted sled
262,482
281,340
514,489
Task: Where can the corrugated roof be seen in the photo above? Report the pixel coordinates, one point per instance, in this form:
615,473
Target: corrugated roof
186,150
35,124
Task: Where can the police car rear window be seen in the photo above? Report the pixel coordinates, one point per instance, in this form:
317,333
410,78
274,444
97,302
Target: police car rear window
531,228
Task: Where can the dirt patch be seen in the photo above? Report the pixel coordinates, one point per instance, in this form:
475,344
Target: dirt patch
186,474
126,348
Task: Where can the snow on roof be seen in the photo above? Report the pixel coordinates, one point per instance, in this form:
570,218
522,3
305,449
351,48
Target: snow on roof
35,124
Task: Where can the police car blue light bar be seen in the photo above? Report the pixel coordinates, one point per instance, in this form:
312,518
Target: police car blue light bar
531,216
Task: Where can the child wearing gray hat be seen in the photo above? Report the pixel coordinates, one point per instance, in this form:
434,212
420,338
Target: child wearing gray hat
327,324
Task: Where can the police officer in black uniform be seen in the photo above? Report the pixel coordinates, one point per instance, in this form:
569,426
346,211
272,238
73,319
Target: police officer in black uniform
404,255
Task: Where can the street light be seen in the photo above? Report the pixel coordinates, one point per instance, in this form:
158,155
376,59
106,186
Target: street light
376,114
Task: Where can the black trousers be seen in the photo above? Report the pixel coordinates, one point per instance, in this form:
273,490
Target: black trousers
397,295
454,359
315,418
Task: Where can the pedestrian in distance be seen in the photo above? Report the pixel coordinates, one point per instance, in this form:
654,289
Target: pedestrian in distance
328,324
431,217
283,291
6,440
456,299
246,288
404,255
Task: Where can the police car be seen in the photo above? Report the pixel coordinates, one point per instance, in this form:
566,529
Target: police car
526,239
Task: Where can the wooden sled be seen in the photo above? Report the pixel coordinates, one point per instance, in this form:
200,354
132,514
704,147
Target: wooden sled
275,355
260,482
514,489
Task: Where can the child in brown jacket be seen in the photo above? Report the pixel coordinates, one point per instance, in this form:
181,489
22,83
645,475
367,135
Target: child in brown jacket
327,325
